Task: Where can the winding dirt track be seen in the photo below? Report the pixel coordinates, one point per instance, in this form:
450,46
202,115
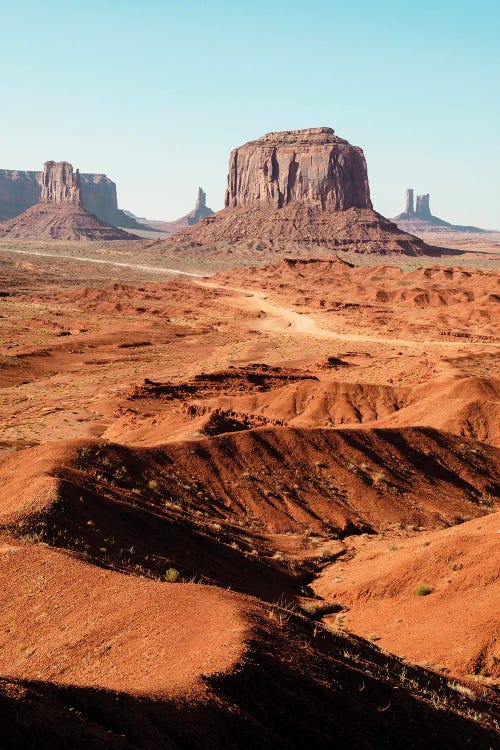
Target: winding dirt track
283,319
280,318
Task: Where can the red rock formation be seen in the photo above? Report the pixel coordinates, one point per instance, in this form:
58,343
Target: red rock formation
21,189
306,187
200,210
18,191
60,215
312,166
60,184
423,210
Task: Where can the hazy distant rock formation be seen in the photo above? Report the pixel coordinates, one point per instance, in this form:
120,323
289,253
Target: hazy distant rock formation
18,191
199,212
21,189
302,186
311,166
59,214
419,218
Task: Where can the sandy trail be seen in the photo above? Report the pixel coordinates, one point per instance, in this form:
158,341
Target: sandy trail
280,318
83,259
305,324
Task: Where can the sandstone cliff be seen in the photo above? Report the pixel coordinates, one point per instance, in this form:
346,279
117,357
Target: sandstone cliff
60,184
59,214
312,166
306,187
18,191
21,189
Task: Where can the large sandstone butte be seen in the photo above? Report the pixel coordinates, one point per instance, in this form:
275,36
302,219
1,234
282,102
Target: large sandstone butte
21,189
303,186
312,166
59,215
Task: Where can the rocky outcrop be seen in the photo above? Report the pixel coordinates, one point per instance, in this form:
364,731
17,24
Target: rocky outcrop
60,184
200,210
59,214
423,210
311,166
21,189
301,187
420,218
409,202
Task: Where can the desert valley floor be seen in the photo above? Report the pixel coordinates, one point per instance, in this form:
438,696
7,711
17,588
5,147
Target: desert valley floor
259,506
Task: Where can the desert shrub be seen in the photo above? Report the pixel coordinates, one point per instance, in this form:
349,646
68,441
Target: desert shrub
423,589
172,575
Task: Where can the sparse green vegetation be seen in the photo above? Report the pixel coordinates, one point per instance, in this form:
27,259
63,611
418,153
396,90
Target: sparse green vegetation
423,589
172,575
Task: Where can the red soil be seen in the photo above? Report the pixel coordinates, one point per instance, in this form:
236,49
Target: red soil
363,447
455,625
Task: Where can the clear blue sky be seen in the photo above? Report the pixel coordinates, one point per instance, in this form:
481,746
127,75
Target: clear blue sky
155,93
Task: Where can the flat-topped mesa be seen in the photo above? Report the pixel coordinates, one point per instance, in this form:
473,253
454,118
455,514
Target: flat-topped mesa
311,166
60,184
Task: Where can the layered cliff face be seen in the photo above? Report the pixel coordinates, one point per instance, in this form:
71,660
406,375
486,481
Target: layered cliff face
18,191
306,187
21,189
311,166
60,184
59,214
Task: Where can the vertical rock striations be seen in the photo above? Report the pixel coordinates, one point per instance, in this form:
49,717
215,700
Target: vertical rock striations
423,210
21,189
302,187
59,214
60,184
311,166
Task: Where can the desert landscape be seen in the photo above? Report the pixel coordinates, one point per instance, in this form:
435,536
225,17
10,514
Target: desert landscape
249,477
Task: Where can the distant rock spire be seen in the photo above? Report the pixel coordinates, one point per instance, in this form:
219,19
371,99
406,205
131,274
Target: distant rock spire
201,201
423,210
409,203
